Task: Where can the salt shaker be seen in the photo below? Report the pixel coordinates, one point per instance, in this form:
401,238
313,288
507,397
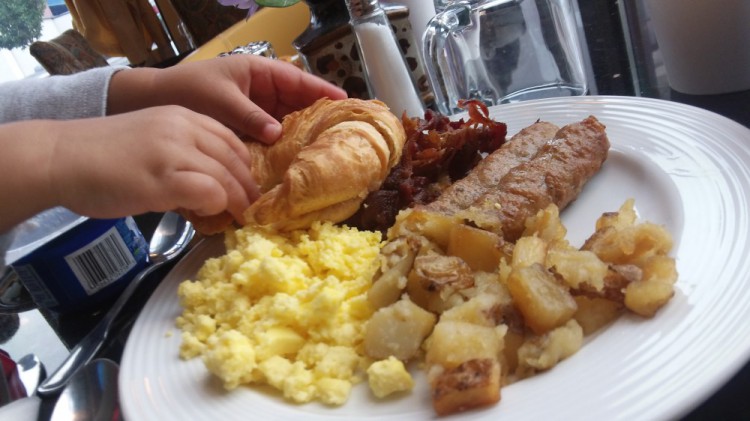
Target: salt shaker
420,13
388,78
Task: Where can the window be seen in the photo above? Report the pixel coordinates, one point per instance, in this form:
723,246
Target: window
17,63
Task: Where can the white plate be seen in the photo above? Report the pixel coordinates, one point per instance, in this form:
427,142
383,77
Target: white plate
686,168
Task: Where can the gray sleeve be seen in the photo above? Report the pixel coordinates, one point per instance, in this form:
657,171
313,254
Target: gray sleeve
67,97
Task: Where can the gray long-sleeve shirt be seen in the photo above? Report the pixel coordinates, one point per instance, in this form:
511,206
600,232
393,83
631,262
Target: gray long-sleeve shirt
80,95
68,97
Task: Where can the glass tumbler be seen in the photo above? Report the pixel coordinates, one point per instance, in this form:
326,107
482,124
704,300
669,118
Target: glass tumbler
502,51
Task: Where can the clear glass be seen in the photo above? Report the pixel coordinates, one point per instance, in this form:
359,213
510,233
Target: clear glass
501,51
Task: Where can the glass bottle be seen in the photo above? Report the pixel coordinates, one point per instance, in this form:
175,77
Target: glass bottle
386,72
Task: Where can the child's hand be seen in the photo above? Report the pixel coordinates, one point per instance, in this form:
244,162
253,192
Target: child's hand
156,159
248,93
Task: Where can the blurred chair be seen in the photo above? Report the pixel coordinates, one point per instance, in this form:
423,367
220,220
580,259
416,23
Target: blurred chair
205,19
122,28
178,32
279,26
68,53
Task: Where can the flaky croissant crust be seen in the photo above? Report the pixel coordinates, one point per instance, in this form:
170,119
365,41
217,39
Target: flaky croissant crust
330,156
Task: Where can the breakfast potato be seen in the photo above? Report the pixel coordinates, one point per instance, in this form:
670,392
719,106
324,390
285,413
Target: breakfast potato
631,244
529,251
480,249
396,250
544,303
484,310
387,288
660,268
577,267
624,217
512,341
546,224
453,343
472,384
543,352
641,274
655,289
434,226
615,239
645,298
489,283
594,313
435,281
397,330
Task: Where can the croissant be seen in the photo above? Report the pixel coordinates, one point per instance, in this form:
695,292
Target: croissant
331,155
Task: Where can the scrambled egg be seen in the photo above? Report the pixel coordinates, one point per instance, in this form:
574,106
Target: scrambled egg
288,310
389,376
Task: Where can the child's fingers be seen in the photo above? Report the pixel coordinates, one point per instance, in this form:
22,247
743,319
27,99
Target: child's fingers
206,194
224,146
236,169
254,121
228,136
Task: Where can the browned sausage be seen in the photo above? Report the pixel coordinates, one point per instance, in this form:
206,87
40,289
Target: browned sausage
555,174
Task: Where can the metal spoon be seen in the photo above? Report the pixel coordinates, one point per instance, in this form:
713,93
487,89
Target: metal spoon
171,237
31,372
91,394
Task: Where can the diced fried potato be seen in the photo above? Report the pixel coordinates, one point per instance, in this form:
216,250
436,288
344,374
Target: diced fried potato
480,249
595,313
484,309
510,310
436,227
641,274
434,281
395,250
489,283
645,298
543,301
617,279
627,273
577,267
632,244
387,289
479,218
624,217
660,268
472,384
545,351
397,330
504,271
528,251
453,343
546,224
512,341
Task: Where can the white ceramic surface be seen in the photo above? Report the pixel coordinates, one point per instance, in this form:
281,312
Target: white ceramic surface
25,409
705,44
686,168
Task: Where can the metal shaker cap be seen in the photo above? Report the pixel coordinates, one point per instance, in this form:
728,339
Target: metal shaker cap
362,8
258,48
